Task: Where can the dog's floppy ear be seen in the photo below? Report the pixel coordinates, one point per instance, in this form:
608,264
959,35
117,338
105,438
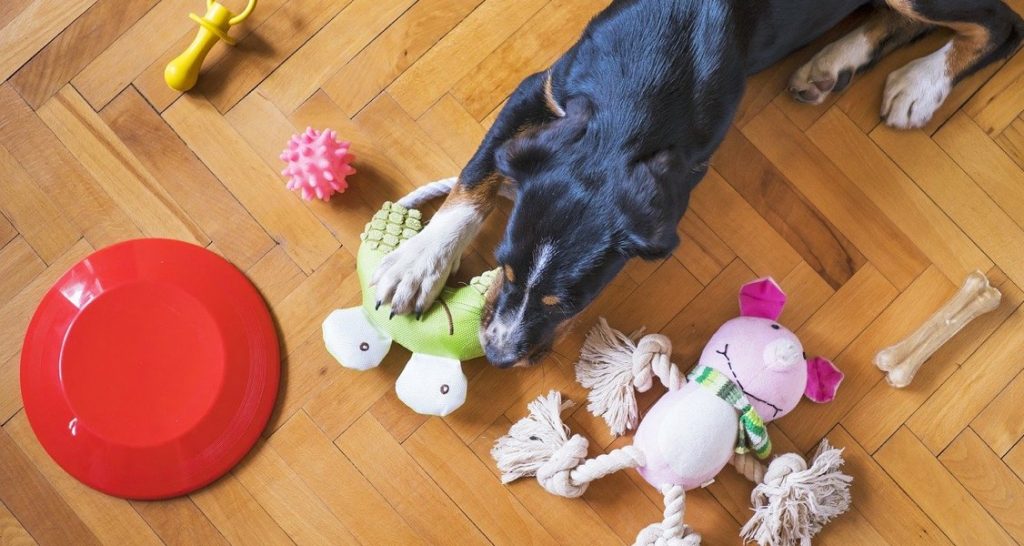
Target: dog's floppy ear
529,152
651,207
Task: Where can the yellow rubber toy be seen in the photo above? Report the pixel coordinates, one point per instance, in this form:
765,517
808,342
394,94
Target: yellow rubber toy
183,72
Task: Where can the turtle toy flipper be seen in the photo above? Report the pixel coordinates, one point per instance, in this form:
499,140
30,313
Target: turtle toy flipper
432,385
440,339
353,340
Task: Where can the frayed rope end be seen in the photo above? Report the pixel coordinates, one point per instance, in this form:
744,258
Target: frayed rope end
533,440
606,368
794,502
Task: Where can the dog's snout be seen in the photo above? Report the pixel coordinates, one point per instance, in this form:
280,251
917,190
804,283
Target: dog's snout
500,357
500,344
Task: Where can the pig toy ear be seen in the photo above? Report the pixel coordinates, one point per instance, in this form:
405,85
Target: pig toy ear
823,379
762,298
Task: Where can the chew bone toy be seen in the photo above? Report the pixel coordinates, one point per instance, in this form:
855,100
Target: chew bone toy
901,361
182,73
432,382
751,372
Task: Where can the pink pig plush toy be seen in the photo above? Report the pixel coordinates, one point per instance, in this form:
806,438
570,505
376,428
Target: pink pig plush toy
752,371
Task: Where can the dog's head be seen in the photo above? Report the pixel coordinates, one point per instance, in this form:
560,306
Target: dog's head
580,214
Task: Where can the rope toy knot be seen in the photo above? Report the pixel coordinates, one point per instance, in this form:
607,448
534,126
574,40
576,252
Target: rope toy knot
652,357
781,467
612,364
555,475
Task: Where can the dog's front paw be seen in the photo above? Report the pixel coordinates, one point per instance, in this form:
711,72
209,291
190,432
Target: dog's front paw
831,69
411,277
913,93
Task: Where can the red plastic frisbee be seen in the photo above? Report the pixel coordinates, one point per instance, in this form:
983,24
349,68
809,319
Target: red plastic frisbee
150,369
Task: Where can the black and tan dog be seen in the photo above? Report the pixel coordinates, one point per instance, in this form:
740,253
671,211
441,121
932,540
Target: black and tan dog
603,149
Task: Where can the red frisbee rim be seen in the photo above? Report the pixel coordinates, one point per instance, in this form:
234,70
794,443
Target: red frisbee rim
150,369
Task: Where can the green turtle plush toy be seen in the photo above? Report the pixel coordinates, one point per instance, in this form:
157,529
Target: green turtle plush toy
432,382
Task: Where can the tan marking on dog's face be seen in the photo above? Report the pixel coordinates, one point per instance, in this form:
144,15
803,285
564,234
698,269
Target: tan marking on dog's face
510,275
551,300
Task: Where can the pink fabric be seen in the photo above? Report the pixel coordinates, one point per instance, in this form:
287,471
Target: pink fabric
762,298
823,379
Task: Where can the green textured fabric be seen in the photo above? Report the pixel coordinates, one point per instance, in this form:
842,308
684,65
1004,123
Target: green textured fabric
753,436
450,328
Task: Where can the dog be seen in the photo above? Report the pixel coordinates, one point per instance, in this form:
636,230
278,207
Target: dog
603,149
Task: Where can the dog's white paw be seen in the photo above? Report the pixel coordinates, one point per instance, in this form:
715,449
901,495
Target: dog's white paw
831,69
411,277
913,93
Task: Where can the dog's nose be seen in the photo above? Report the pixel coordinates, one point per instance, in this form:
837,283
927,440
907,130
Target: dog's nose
501,357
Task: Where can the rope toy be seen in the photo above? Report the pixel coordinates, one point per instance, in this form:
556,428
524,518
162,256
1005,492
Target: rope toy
446,334
751,372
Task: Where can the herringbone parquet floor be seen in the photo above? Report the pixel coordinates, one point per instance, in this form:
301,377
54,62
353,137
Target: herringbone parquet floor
867,229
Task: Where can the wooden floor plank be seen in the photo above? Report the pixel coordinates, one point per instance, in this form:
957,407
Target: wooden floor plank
395,473
337,482
753,240
237,515
341,39
820,244
393,51
700,250
186,179
75,47
499,515
532,48
11,531
892,252
897,196
945,500
19,264
179,522
116,169
1001,423
38,507
71,187
987,479
33,214
984,162
458,52
33,28
966,203
287,498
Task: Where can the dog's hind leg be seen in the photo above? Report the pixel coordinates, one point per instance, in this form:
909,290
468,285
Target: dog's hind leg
986,30
834,66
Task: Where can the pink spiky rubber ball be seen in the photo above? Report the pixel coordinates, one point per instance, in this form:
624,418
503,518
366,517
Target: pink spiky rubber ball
317,164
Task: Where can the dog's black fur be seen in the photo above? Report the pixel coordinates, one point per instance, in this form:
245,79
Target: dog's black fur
640,103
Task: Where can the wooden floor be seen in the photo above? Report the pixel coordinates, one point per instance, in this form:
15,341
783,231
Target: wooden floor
868,229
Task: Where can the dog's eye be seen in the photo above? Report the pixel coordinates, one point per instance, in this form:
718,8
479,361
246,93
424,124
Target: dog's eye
509,274
551,300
